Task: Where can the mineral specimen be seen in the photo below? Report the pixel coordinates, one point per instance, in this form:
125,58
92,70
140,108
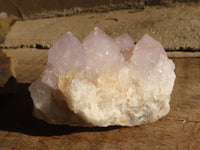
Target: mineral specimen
104,81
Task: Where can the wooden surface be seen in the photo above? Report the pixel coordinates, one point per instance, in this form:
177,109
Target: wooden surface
175,27
26,64
33,9
180,129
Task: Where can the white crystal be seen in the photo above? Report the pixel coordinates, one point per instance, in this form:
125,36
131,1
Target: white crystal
104,82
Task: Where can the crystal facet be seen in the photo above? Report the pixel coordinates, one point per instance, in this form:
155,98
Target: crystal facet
103,53
104,81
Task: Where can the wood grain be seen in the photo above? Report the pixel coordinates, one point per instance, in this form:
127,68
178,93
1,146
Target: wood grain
176,54
165,135
185,104
180,129
26,64
175,27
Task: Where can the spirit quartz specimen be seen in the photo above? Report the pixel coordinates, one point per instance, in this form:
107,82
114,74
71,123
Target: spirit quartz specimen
104,81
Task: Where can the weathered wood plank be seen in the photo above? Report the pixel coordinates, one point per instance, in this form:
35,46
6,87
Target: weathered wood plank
32,9
175,54
180,129
185,102
175,27
27,64
164,134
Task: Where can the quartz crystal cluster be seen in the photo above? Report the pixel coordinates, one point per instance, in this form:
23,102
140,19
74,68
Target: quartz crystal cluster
104,81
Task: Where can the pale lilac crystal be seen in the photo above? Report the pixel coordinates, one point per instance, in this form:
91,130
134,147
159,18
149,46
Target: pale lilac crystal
151,66
47,107
104,81
67,54
102,52
126,45
124,41
50,76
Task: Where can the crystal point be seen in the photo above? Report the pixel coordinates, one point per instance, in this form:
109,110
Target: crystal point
67,53
102,51
124,41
